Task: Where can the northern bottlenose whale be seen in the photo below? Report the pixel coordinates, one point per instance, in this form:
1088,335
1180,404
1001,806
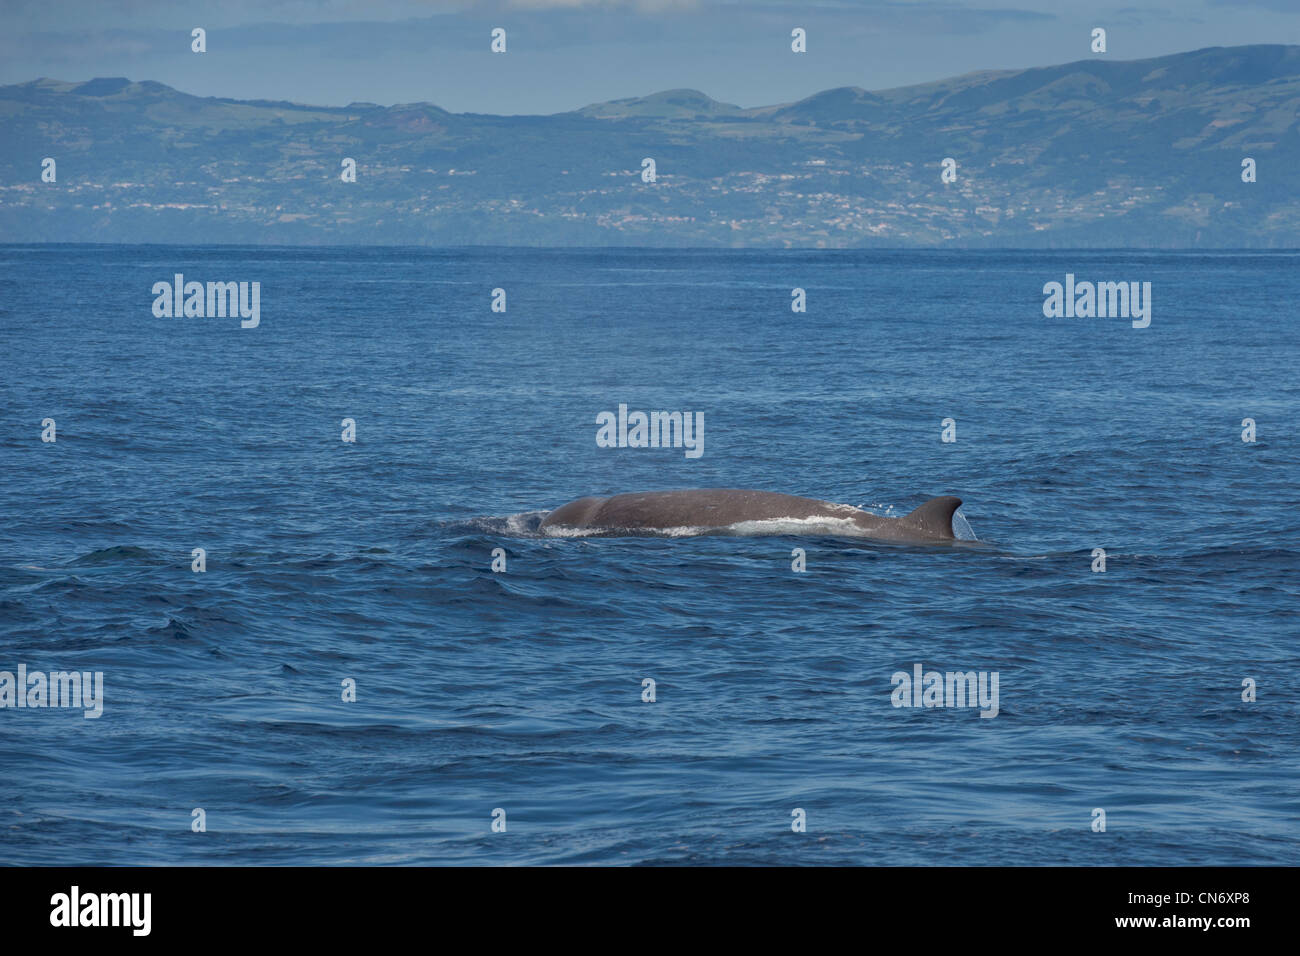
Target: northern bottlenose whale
711,508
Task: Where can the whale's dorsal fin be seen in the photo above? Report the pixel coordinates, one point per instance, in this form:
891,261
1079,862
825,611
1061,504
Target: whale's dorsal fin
935,516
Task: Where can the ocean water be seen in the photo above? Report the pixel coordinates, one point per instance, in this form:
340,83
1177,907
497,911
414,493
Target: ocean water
522,690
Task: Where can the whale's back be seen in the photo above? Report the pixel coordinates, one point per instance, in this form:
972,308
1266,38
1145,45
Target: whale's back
713,508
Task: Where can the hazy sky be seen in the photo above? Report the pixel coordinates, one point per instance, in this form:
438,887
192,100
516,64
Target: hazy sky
563,54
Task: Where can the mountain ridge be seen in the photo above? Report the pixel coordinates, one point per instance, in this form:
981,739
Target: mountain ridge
1256,55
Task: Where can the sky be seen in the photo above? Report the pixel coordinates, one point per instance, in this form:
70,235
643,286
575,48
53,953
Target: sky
565,54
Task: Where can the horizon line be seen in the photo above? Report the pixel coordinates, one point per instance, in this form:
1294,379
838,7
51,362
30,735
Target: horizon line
1200,250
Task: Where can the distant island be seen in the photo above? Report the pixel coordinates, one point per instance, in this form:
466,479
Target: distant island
1097,153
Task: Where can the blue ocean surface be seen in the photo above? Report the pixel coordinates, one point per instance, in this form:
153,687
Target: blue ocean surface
522,690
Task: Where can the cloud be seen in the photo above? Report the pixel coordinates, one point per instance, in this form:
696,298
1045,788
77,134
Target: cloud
1277,6
142,28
